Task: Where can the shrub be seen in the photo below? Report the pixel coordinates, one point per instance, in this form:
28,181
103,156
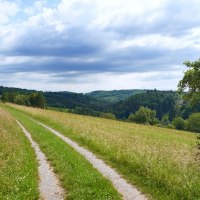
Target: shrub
144,116
170,126
165,120
178,123
193,123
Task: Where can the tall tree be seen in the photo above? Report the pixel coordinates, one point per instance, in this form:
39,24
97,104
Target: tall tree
5,97
191,82
37,100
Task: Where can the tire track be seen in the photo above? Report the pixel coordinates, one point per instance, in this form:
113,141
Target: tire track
49,184
128,191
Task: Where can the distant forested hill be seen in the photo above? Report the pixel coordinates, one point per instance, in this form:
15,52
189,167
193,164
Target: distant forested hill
119,103
114,96
70,100
12,89
73,100
163,102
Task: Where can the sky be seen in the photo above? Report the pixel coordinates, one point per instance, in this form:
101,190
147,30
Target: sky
87,45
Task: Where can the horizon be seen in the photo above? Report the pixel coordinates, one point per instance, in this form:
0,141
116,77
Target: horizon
84,92
83,46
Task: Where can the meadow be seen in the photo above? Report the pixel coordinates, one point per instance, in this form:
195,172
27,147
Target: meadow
77,176
18,165
160,162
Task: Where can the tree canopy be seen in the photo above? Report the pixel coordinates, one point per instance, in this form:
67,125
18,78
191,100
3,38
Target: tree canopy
161,101
144,116
35,99
191,82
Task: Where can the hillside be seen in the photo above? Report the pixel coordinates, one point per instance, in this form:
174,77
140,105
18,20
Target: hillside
23,177
114,96
153,158
73,100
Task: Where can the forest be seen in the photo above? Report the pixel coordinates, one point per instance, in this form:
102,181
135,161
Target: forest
160,108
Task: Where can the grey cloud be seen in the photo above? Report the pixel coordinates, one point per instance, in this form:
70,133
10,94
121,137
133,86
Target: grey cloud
76,47
175,19
133,59
48,42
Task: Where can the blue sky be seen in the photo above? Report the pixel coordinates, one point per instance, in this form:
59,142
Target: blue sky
86,45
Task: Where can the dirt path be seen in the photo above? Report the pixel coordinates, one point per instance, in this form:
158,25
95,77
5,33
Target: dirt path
49,184
128,191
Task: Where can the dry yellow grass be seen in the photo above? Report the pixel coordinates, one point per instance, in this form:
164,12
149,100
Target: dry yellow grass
161,161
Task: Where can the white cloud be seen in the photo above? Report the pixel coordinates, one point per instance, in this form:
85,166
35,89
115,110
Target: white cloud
99,81
124,35
7,10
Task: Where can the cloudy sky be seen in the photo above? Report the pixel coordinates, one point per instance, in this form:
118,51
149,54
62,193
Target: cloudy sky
86,45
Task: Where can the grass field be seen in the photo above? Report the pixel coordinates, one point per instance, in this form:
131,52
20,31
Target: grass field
161,162
78,177
18,165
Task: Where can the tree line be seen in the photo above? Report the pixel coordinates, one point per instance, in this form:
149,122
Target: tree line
160,108
35,99
147,116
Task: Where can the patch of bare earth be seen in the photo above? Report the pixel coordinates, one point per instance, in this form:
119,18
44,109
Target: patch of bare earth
49,185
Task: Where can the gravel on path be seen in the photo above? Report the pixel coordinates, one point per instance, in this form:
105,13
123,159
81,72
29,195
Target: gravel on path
128,191
49,185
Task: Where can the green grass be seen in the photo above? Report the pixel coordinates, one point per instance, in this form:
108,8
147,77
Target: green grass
18,165
77,175
161,162
57,109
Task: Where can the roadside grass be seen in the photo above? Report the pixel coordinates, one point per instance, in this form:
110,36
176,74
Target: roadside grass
18,164
77,175
159,161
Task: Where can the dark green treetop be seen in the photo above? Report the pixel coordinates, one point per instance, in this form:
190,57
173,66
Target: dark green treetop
191,82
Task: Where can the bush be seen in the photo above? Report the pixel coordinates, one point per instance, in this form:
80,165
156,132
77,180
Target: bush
178,123
193,123
144,116
170,126
165,120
